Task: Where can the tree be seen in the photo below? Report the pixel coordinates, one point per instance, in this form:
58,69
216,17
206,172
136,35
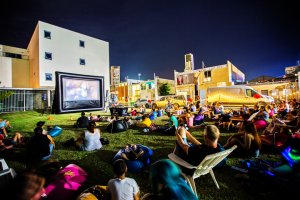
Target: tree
4,95
164,89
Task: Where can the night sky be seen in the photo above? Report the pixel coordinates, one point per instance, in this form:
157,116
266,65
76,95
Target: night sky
260,37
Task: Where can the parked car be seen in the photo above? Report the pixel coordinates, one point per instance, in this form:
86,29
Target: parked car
141,102
176,101
236,96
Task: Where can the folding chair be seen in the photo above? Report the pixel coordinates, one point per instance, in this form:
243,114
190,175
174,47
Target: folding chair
206,166
6,173
277,139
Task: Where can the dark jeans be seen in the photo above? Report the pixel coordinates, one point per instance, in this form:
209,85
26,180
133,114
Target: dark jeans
167,130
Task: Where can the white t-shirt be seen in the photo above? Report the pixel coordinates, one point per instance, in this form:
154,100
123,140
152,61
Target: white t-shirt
92,140
123,189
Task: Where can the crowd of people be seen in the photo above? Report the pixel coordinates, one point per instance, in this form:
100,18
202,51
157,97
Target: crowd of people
165,178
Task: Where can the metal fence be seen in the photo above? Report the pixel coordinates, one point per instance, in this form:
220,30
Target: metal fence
23,100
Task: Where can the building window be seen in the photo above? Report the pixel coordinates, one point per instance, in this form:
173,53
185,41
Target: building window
48,56
81,43
143,86
207,76
264,92
82,61
13,55
47,34
48,76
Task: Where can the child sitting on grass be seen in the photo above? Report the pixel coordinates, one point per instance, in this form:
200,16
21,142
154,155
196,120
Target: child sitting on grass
122,187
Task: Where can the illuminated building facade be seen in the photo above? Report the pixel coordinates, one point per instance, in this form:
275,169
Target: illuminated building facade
193,84
115,75
188,62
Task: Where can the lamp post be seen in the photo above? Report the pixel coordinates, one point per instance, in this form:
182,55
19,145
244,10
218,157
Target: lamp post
139,74
286,95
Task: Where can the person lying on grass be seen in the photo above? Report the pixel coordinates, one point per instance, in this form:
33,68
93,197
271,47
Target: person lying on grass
132,152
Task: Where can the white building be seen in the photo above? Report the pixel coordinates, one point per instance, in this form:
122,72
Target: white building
53,48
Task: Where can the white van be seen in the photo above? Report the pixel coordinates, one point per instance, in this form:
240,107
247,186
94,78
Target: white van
236,96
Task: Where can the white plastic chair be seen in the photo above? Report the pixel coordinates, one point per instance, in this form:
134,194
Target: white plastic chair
6,173
205,167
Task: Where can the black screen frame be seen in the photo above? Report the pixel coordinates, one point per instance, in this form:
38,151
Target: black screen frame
63,106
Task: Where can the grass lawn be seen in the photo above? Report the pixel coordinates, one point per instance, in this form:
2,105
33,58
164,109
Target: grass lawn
233,185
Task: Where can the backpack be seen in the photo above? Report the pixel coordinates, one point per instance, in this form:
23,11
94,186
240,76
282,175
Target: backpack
104,141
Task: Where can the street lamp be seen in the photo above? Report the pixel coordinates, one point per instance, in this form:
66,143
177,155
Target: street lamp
139,74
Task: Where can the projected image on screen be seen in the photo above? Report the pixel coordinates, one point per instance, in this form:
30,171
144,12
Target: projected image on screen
81,89
75,93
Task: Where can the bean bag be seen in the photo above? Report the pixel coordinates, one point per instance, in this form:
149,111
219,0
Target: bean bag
55,131
96,192
66,183
116,126
136,166
260,124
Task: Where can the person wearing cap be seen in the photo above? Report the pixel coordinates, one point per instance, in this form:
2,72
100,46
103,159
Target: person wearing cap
40,145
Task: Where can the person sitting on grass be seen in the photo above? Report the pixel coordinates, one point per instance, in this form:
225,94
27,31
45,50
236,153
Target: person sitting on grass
193,108
145,123
4,124
82,122
248,141
160,112
189,119
89,139
4,146
289,124
16,141
168,129
111,119
153,115
199,118
98,118
129,122
261,119
142,109
169,106
40,145
122,187
173,121
167,182
133,112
